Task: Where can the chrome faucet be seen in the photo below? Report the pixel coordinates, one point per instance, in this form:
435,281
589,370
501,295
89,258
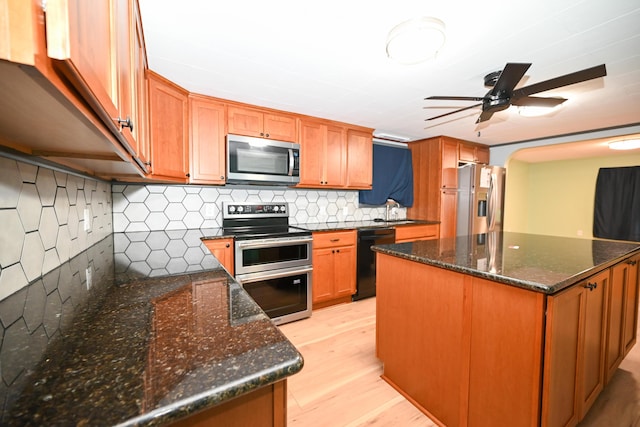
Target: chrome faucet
391,204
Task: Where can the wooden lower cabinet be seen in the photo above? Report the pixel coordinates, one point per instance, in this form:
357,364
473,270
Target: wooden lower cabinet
411,233
222,249
574,353
622,318
334,267
265,407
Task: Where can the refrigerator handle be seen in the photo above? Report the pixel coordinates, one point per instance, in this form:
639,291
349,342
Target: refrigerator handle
491,202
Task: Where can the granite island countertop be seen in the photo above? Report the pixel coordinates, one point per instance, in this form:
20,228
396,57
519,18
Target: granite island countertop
143,328
545,264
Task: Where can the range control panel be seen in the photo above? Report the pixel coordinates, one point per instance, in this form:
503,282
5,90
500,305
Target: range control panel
253,210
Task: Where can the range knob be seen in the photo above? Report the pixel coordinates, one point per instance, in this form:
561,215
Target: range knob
240,208
283,208
232,209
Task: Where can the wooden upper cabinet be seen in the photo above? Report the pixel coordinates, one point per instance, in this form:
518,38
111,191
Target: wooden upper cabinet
473,153
262,123
322,155
207,143
449,171
94,42
359,159
168,129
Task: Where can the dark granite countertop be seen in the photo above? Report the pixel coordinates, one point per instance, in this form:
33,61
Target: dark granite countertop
158,330
351,225
540,263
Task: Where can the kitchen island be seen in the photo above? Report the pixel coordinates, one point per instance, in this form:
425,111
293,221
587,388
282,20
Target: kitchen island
505,328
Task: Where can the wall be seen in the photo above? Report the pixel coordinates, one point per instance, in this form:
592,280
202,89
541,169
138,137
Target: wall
160,207
42,215
500,154
556,197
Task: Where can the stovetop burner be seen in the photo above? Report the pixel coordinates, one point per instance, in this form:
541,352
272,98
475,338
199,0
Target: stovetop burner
258,220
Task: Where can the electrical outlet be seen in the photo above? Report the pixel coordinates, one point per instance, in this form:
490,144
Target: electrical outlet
87,219
89,281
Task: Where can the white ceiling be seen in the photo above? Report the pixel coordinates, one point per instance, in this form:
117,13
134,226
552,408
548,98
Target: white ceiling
327,59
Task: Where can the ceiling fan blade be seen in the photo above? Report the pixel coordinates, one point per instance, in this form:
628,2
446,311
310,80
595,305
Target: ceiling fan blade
484,116
509,77
535,101
566,80
456,98
453,112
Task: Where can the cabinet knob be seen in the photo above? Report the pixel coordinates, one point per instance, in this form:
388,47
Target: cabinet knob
188,175
127,123
267,135
227,245
222,177
261,133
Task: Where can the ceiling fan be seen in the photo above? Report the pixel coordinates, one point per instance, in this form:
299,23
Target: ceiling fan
502,95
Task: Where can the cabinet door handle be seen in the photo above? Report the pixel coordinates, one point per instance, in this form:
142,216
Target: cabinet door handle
334,240
632,262
591,286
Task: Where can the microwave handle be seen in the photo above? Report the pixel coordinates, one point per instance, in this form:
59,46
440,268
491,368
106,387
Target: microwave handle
291,162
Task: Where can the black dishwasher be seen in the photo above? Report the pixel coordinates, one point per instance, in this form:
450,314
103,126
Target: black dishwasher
367,237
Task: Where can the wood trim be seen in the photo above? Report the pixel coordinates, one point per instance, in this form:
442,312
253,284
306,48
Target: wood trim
78,155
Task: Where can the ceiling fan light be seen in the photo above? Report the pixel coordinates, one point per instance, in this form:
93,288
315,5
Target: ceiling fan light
416,40
625,144
535,111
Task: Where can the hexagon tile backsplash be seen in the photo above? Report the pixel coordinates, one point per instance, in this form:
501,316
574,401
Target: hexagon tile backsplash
43,215
161,207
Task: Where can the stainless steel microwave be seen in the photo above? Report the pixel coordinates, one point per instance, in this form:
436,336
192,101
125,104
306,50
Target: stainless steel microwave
262,161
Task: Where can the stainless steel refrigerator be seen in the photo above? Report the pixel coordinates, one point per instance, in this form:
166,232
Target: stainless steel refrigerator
480,199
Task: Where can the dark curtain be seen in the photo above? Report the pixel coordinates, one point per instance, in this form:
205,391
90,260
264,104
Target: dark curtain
617,204
392,177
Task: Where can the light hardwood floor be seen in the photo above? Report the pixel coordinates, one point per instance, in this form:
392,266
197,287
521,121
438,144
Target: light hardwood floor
340,383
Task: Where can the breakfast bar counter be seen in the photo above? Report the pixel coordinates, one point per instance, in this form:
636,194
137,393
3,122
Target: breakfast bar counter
505,328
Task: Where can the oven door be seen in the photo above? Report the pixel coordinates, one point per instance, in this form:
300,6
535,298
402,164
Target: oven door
284,295
259,255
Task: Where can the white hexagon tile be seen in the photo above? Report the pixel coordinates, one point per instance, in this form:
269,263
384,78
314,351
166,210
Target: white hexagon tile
174,207
42,213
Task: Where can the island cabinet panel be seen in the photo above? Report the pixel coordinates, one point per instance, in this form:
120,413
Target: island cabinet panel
574,357
623,313
428,364
506,327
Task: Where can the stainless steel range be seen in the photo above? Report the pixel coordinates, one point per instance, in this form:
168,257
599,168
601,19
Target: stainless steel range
272,259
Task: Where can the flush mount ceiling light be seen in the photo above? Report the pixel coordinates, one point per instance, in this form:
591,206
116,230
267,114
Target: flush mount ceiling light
625,144
536,111
415,40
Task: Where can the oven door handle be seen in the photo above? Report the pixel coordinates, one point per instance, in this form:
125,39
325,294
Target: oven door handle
267,243
274,274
